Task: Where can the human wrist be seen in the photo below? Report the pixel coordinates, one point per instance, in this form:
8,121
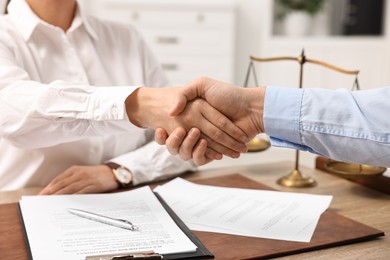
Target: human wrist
139,107
260,114
122,176
112,166
256,107
149,107
132,108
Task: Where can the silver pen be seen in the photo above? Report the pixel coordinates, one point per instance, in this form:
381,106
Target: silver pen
120,223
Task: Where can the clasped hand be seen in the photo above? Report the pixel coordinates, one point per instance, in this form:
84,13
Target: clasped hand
239,106
150,107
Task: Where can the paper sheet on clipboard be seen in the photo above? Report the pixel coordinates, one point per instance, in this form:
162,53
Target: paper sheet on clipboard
247,212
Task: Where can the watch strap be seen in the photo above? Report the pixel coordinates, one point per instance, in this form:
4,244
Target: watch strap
113,166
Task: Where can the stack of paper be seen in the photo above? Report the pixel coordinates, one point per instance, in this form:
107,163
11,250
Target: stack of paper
255,213
54,233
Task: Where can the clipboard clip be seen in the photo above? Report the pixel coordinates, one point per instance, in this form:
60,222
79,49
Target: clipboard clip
147,255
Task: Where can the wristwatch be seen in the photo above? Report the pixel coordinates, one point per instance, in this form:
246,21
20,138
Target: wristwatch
122,175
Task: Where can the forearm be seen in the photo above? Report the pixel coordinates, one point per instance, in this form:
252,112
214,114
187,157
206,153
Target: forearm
36,115
331,123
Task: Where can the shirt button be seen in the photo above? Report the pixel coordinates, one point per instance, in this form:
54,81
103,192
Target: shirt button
114,110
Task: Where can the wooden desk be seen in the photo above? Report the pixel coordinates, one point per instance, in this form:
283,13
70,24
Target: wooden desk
352,200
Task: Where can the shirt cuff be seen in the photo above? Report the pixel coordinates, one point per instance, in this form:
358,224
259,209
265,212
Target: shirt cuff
281,118
107,106
108,103
282,143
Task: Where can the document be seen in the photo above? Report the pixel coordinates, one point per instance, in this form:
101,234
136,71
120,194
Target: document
255,213
55,233
387,173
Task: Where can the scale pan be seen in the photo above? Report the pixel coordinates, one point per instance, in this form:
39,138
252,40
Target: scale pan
351,170
258,144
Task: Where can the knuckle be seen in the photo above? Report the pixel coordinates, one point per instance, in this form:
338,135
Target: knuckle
172,147
222,122
199,160
217,135
73,167
185,153
201,79
172,151
210,142
185,157
209,153
159,138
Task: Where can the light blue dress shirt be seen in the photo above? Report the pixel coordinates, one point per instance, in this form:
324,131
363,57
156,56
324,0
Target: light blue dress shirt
338,124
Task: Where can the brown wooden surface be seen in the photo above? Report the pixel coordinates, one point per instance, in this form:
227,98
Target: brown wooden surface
12,243
354,201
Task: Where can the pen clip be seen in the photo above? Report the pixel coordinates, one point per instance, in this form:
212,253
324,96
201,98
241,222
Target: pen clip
133,227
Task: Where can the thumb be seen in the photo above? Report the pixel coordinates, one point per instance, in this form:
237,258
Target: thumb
179,104
185,94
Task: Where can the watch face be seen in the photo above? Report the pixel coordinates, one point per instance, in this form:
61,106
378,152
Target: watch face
123,175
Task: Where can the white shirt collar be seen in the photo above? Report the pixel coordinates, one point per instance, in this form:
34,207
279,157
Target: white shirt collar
81,19
23,17
27,21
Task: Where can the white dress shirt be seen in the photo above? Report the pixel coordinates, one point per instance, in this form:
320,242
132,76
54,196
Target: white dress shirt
62,99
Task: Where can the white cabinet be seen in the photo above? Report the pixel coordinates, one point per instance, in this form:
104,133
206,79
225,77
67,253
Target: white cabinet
190,38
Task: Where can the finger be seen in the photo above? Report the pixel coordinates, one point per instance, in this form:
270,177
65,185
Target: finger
45,191
212,154
199,153
189,143
220,149
56,188
216,138
87,189
224,131
65,183
179,104
160,136
175,139
55,185
71,188
202,154
71,185
239,137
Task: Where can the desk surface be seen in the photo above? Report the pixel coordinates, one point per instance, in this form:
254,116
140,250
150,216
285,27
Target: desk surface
350,199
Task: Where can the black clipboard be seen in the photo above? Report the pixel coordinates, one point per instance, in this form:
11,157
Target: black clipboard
201,252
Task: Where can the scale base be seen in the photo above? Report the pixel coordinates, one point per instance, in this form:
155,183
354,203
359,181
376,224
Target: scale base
296,180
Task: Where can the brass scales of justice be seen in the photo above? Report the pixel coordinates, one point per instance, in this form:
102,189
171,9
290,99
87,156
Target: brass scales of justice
295,178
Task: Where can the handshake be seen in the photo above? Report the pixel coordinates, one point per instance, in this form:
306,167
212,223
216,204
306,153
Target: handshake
202,120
